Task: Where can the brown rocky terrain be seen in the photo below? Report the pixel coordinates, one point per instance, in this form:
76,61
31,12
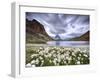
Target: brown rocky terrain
84,37
35,32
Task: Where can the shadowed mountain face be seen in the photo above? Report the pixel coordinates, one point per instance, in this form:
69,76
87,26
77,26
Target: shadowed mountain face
34,26
84,37
35,32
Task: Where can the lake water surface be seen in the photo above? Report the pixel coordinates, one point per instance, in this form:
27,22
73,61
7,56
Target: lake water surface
68,43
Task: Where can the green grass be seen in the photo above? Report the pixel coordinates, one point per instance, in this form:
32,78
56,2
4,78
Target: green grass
56,56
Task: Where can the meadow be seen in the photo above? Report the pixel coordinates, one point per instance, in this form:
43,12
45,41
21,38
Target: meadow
39,56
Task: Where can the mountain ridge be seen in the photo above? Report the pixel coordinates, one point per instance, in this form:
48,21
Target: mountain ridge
84,37
35,32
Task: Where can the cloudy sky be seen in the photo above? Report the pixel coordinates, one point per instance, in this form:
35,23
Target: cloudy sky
65,25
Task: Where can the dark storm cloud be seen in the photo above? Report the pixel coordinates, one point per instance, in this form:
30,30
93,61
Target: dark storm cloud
66,25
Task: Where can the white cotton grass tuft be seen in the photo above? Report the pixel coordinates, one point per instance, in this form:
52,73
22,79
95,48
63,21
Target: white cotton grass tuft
78,62
59,56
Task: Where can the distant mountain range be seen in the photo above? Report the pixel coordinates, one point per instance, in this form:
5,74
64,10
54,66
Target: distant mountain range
35,33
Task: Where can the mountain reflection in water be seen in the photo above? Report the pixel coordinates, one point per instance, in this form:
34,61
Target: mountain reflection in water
68,43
